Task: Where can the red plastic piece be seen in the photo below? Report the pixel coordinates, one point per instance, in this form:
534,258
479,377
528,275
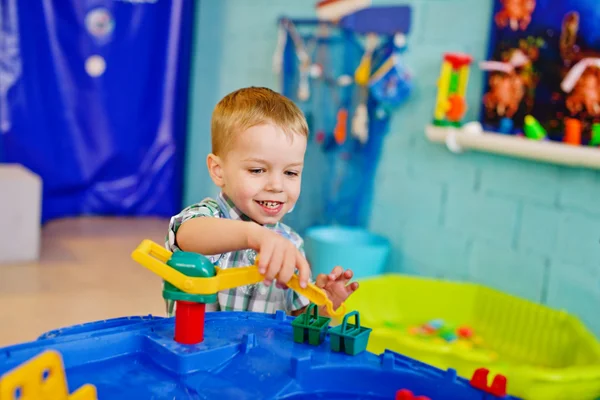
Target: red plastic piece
458,59
479,381
189,322
465,331
405,394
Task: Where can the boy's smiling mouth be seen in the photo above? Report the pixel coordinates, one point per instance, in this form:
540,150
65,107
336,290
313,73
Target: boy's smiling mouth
270,207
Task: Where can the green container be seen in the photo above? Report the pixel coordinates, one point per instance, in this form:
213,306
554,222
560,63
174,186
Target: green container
193,265
545,354
351,339
311,327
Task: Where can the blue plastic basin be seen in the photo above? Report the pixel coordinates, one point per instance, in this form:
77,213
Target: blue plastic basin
364,252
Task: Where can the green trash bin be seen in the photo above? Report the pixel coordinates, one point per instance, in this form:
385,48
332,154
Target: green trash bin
351,339
312,327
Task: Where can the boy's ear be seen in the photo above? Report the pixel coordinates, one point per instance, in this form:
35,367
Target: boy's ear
215,169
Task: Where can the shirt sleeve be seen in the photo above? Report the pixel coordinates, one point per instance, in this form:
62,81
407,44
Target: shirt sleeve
206,208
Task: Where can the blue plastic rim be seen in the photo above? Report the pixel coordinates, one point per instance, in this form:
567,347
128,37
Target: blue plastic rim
364,252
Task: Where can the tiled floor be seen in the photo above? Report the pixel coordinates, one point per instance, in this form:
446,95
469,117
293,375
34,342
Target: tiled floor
85,274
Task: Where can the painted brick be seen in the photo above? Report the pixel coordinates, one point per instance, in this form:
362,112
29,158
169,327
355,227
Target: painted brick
522,179
427,250
399,198
576,288
579,239
452,21
580,190
434,162
539,228
479,215
500,267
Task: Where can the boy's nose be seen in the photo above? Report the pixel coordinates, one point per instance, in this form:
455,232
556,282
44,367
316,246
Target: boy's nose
275,183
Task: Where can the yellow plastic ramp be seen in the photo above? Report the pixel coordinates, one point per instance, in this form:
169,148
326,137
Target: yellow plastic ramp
42,378
154,257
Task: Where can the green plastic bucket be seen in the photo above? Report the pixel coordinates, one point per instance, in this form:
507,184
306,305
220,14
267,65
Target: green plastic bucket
364,252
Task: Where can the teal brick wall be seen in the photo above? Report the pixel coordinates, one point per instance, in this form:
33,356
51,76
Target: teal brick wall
526,228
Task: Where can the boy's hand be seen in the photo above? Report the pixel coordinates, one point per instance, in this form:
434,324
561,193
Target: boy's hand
277,256
336,285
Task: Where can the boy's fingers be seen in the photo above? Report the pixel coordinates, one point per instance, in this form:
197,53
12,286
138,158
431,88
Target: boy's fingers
336,273
264,257
288,267
303,269
352,287
348,274
321,280
275,264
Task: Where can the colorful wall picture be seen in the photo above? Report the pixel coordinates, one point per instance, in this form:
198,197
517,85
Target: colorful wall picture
542,75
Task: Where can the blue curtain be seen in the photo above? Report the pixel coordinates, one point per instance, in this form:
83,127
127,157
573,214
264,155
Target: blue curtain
93,98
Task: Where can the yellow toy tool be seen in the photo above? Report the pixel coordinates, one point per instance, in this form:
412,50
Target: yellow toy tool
154,257
42,378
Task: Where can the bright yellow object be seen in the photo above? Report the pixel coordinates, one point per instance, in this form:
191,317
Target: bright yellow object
154,257
443,88
545,354
463,80
42,378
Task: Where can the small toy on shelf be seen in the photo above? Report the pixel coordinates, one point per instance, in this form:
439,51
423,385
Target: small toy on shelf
351,339
533,129
311,328
452,86
595,140
572,132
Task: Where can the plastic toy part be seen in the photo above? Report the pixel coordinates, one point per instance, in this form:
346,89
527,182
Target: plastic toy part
595,140
506,125
42,378
155,258
351,339
572,132
244,355
310,327
498,386
192,265
189,322
334,10
533,129
452,86
405,394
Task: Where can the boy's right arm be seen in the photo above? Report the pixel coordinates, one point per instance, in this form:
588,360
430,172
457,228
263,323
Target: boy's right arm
214,235
278,257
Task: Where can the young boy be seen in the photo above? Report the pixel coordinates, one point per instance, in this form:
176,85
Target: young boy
259,139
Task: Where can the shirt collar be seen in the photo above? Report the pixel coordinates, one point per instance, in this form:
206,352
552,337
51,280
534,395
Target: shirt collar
232,212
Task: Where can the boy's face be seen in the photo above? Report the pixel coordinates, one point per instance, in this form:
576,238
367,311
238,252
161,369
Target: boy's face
261,173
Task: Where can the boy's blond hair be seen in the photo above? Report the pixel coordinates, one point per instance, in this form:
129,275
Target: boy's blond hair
248,107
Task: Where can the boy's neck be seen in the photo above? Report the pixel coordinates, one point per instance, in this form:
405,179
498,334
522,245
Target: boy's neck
237,213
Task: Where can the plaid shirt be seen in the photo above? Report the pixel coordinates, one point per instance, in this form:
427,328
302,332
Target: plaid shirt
256,297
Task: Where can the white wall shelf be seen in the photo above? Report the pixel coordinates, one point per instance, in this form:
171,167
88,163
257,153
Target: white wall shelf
468,138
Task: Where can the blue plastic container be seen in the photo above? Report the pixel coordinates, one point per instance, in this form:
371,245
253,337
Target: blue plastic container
243,356
354,248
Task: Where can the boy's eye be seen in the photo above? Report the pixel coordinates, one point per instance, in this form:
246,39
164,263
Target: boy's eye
255,170
291,173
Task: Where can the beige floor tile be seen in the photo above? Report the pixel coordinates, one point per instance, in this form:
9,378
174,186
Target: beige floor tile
85,274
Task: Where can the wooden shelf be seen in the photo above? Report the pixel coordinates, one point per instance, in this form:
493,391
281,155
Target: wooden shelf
469,138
